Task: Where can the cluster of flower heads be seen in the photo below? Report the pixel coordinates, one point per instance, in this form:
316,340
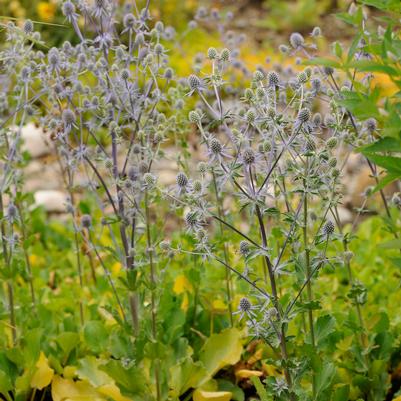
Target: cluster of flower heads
270,176
273,117
278,144
105,99
256,142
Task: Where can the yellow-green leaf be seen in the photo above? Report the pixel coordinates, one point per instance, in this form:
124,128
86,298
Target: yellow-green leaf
221,349
247,373
112,392
44,373
88,369
200,395
66,390
186,374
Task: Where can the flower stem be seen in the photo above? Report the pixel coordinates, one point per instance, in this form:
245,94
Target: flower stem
26,256
108,275
153,292
282,339
228,273
308,271
10,289
77,247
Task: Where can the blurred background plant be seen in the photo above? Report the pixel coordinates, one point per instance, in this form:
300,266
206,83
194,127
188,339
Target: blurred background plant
253,16
298,15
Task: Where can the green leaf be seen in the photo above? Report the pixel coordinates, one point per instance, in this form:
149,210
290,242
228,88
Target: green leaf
88,369
130,380
390,163
323,61
306,306
271,211
262,393
392,123
119,345
386,144
9,367
324,379
361,381
325,325
383,324
363,106
237,392
5,383
392,244
338,49
396,261
32,348
388,179
341,393
84,207
67,341
96,336
155,350
185,375
384,5
371,66
350,19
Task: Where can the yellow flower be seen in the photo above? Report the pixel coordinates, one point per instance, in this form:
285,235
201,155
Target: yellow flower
182,284
33,259
116,268
46,11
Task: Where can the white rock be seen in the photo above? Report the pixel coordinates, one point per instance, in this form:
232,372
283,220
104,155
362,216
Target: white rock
51,200
42,176
34,141
166,177
344,214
